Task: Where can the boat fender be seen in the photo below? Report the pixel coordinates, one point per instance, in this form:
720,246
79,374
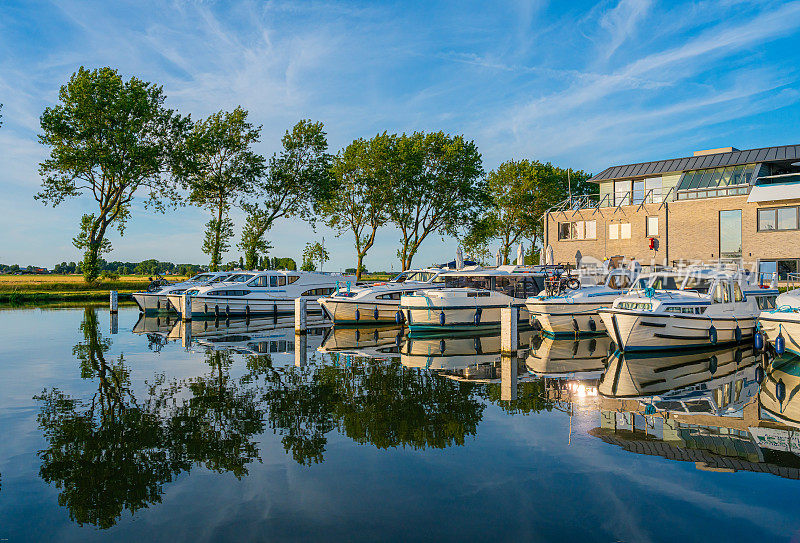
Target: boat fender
712,335
478,312
216,311
398,317
737,356
358,334
375,313
441,318
759,374
227,311
758,341
398,339
205,308
158,321
737,334
247,311
375,335
358,315
158,304
575,325
592,325
780,391
205,325
712,364
780,345
441,345
592,345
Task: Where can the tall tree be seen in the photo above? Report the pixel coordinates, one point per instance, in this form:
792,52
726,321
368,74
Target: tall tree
436,183
312,253
361,198
112,138
297,182
224,169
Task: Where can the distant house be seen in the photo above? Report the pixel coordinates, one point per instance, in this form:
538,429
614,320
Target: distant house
719,204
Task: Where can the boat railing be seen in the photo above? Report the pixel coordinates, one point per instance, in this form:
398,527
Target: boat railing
792,281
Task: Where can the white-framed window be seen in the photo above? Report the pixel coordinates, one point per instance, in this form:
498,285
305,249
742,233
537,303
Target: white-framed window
625,230
577,230
652,227
613,231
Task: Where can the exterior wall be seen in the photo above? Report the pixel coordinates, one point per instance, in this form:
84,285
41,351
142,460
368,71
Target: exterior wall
691,228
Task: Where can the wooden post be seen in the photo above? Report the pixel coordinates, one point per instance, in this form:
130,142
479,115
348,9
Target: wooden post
186,314
113,301
509,330
300,316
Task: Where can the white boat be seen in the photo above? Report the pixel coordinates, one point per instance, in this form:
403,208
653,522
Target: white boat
781,317
381,341
778,395
574,312
155,301
711,307
259,293
379,302
472,299
456,351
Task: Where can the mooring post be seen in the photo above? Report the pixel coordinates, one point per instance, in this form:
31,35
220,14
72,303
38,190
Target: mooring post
186,314
300,350
186,334
300,316
114,322
508,378
113,301
509,330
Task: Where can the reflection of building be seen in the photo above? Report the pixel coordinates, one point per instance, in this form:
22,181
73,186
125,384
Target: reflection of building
719,203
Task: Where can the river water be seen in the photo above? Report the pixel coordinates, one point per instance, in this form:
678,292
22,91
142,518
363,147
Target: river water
133,429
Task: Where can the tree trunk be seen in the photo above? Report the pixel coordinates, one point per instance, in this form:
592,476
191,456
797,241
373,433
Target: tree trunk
215,256
359,260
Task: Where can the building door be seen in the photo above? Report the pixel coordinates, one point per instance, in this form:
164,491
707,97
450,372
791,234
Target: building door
730,233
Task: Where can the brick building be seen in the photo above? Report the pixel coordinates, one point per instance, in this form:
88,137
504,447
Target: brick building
718,204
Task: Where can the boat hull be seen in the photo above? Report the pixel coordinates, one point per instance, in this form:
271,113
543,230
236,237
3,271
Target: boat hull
151,303
366,313
784,323
568,319
428,319
211,307
647,331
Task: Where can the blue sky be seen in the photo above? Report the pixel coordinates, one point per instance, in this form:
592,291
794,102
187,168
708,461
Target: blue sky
581,84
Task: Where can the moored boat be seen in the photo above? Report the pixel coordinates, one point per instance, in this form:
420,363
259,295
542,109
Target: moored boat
781,318
155,299
472,299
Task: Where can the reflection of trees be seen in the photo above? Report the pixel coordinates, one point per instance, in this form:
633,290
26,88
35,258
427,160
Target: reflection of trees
114,453
384,404
531,398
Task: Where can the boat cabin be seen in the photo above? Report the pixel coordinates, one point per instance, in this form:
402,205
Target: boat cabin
513,281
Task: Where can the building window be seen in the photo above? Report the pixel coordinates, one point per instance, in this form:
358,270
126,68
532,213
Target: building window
715,182
787,218
622,193
785,267
652,227
577,230
638,191
625,230
781,218
730,233
652,189
613,231
767,219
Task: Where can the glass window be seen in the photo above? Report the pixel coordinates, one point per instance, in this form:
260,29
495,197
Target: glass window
564,230
726,292
579,230
591,229
718,295
767,219
273,280
652,185
613,231
622,192
787,218
652,226
737,293
716,175
293,278
705,179
786,267
625,230
725,180
281,280
638,191
699,284
686,181
730,233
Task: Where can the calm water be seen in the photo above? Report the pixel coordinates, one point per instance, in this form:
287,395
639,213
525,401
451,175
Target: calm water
234,432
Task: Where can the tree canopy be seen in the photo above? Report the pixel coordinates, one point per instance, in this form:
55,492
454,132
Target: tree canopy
110,138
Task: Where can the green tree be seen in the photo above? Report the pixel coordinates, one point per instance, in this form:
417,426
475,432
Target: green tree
436,183
298,180
314,252
362,194
255,246
111,138
224,169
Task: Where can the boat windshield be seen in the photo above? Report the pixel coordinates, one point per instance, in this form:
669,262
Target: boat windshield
425,277
520,286
657,282
401,278
698,284
239,278
202,277
618,281
220,279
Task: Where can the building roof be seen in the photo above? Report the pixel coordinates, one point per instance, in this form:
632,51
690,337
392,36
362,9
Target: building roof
732,158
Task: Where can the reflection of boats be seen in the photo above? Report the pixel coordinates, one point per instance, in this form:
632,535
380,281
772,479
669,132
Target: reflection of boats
578,359
249,336
710,308
379,302
156,300
259,293
472,299
459,352
372,342
710,382
151,324
783,405
575,311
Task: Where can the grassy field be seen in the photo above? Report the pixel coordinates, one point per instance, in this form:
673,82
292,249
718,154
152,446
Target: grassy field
22,289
